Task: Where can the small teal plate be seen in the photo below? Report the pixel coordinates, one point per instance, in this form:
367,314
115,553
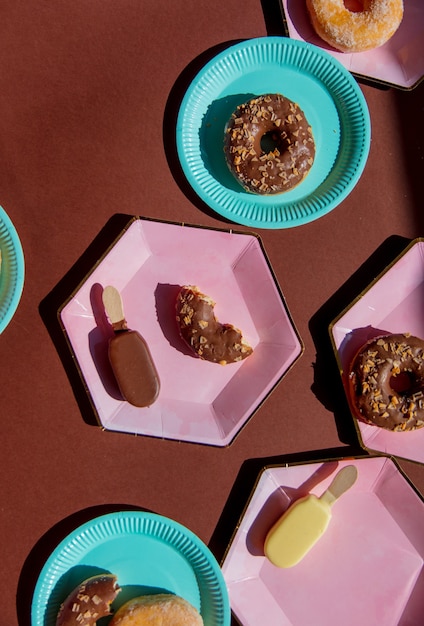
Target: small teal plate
147,552
331,100
12,270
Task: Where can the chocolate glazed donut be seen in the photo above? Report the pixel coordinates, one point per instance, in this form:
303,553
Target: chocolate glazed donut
208,338
269,145
89,601
386,382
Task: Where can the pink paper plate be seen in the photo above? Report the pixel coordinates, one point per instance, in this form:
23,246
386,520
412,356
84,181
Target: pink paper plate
198,401
393,303
399,63
366,569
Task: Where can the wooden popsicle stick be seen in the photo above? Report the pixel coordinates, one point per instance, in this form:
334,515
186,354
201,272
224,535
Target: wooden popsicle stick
343,480
112,302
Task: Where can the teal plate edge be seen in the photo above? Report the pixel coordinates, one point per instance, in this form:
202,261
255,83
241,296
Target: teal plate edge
12,272
210,580
316,67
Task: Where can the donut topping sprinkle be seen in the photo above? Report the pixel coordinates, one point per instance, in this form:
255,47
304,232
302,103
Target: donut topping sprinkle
387,379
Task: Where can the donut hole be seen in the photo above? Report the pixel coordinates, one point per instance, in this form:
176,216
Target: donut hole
270,142
403,383
354,6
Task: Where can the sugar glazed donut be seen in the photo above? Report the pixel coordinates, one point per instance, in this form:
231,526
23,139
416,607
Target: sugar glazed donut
208,338
355,31
163,609
386,382
89,601
269,145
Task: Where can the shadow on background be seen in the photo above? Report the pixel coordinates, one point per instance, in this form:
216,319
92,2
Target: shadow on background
275,26
410,106
327,385
170,118
44,547
50,306
275,21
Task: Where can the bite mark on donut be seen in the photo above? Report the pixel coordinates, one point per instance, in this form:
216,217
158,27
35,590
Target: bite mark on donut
89,601
204,334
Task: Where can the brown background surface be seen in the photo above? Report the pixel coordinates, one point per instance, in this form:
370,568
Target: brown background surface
88,99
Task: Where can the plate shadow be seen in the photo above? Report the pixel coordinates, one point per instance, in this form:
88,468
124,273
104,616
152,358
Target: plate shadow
53,302
44,547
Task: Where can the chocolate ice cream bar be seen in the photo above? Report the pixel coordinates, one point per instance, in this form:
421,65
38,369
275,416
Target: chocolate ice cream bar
129,356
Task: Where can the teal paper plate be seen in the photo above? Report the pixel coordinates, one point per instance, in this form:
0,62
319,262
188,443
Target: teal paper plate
333,104
147,552
12,270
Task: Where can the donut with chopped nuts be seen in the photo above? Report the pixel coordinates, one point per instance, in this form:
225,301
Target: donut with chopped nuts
386,382
208,338
89,601
268,144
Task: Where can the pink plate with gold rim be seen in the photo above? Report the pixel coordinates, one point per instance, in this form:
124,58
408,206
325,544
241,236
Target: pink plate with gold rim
199,401
392,303
366,569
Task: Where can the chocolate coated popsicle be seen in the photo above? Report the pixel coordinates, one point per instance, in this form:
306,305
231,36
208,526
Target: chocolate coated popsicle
129,356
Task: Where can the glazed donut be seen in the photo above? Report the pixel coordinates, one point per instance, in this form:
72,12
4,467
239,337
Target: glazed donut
89,601
268,144
386,382
355,31
208,338
157,610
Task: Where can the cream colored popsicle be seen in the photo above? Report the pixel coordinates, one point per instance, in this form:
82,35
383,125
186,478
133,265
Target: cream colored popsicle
305,521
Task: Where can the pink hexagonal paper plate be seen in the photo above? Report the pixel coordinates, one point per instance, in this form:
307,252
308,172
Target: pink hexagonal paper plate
199,401
366,569
393,303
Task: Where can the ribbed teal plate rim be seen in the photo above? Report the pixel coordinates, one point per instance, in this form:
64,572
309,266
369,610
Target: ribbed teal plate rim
12,270
147,552
333,104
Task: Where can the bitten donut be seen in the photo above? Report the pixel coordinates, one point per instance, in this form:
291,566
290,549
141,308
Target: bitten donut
208,338
268,144
355,31
386,382
89,601
157,610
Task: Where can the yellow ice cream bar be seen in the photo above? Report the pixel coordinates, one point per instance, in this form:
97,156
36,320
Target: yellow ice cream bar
305,521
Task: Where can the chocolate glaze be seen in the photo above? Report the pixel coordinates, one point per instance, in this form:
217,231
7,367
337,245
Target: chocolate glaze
89,601
208,338
386,382
134,369
280,166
